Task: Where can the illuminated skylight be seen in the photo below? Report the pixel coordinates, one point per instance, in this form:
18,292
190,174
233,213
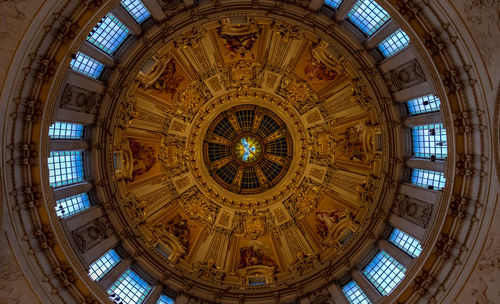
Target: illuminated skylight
65,130
137,9
87,66
394,43
424,104
384,272
65,167
108,34
103,265
428,179
71,205
368,16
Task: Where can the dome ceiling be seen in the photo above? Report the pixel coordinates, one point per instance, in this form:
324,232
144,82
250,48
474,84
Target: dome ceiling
268,147
270,152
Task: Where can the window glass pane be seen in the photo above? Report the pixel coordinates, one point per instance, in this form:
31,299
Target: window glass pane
428,179
429,141
368,16
355,294
65,167
71,205
384,272
137,9
165,300
335,4
108,34
103,265
65,130
86,65
424,104
394,43
130,288
405,242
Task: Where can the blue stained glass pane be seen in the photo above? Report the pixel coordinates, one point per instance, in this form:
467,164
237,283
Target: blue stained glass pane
87,66
335,4
424,104
65,167
429,141
103,265
384,272
137,9
405,242
71,205
355,294
130,288
428,179
394,43
65,130
108,34
165,300
368,16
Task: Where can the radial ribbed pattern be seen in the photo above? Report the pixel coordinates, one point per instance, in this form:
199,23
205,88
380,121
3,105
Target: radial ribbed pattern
247,149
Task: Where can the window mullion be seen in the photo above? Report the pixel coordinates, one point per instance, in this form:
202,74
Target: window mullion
370,290
121,13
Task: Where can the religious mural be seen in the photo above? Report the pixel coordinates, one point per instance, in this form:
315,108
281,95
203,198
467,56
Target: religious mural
327,220
255,253
169,83
239,41
180,229
145,158
311,68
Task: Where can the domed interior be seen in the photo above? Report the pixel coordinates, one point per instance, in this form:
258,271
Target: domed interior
248,152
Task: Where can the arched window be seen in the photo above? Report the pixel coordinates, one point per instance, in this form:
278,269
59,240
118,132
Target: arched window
165,300
65,130
335,4
71,205
432,180
384,272
354,293
103,265
65,168
429,141
368,16
130,288
394,43
405,242
108,34
86,65
424,104
136,9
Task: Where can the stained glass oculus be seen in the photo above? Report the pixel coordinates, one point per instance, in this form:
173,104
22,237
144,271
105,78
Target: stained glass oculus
247,149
